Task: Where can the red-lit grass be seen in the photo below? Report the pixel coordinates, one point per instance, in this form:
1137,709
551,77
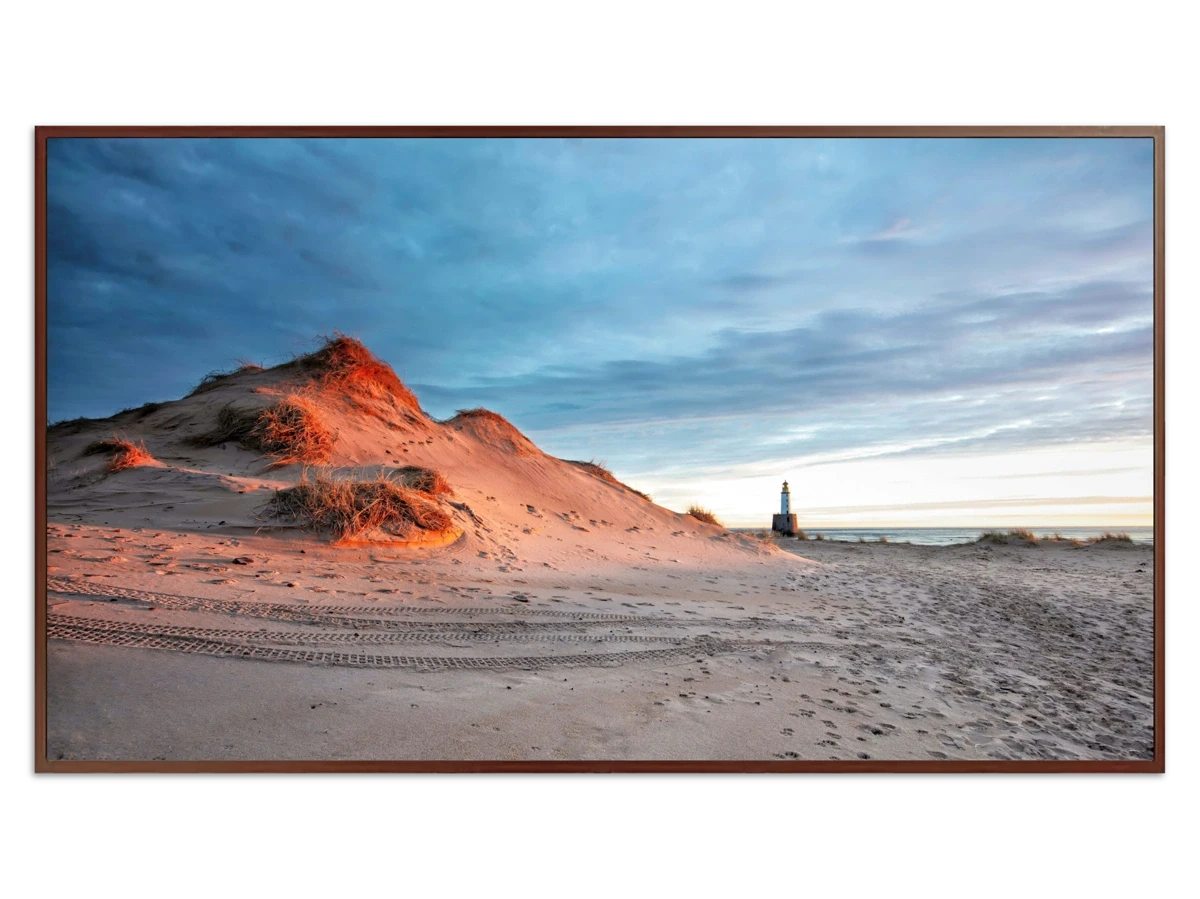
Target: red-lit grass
424,480
350,507
121,453
343,363
290,431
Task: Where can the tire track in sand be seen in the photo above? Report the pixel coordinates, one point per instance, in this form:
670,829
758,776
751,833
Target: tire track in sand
220,647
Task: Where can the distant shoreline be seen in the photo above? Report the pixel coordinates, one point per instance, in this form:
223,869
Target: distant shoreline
1140,536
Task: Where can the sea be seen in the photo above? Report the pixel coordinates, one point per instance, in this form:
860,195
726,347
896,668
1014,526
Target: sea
951,536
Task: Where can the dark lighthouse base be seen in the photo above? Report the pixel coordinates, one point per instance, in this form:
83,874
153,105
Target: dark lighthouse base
785,524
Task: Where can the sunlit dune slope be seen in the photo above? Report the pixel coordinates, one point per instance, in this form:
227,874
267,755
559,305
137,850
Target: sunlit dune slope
333,446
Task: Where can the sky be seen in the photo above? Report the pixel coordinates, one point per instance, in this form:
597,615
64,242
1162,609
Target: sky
912,332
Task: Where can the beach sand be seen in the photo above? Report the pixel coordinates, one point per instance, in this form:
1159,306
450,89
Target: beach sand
861,651
559,614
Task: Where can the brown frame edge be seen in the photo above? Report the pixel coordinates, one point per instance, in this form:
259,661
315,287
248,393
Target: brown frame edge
43,765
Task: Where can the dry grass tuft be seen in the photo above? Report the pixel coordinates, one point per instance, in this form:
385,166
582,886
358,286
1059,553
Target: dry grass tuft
211,381
290,431
1016,535
1110,537
601,471
424,480
343,363
1059,538
75,425
69,426
595,469
122,453
349,507
702,514
479,414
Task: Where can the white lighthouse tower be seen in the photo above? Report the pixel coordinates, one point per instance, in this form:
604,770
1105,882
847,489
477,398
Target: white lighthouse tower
785,522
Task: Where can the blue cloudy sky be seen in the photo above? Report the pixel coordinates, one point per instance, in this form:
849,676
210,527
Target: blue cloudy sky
912,331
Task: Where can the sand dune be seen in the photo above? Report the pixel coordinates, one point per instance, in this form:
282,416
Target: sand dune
553,613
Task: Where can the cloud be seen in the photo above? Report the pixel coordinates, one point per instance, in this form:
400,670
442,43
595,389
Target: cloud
998,503
670,305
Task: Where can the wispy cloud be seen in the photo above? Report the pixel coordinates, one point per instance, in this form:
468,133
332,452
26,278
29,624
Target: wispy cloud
670,305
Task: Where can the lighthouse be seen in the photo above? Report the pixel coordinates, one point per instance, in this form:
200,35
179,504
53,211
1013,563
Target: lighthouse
785,522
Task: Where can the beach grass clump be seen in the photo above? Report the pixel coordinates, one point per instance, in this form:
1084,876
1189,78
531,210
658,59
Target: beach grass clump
1021,536
76,425
595,469
702,514
1110,537
1058,538
215,379
601,470
211,381
350,507
121,453
424,480
345,364
290,431
140,412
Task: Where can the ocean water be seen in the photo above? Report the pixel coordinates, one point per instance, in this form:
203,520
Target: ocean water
950,536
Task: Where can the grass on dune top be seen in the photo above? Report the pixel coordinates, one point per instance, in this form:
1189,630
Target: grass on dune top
340,363
601,471
702,514
343,363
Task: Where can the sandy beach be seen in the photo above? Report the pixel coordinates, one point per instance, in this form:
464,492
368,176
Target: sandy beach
816,651
512,605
